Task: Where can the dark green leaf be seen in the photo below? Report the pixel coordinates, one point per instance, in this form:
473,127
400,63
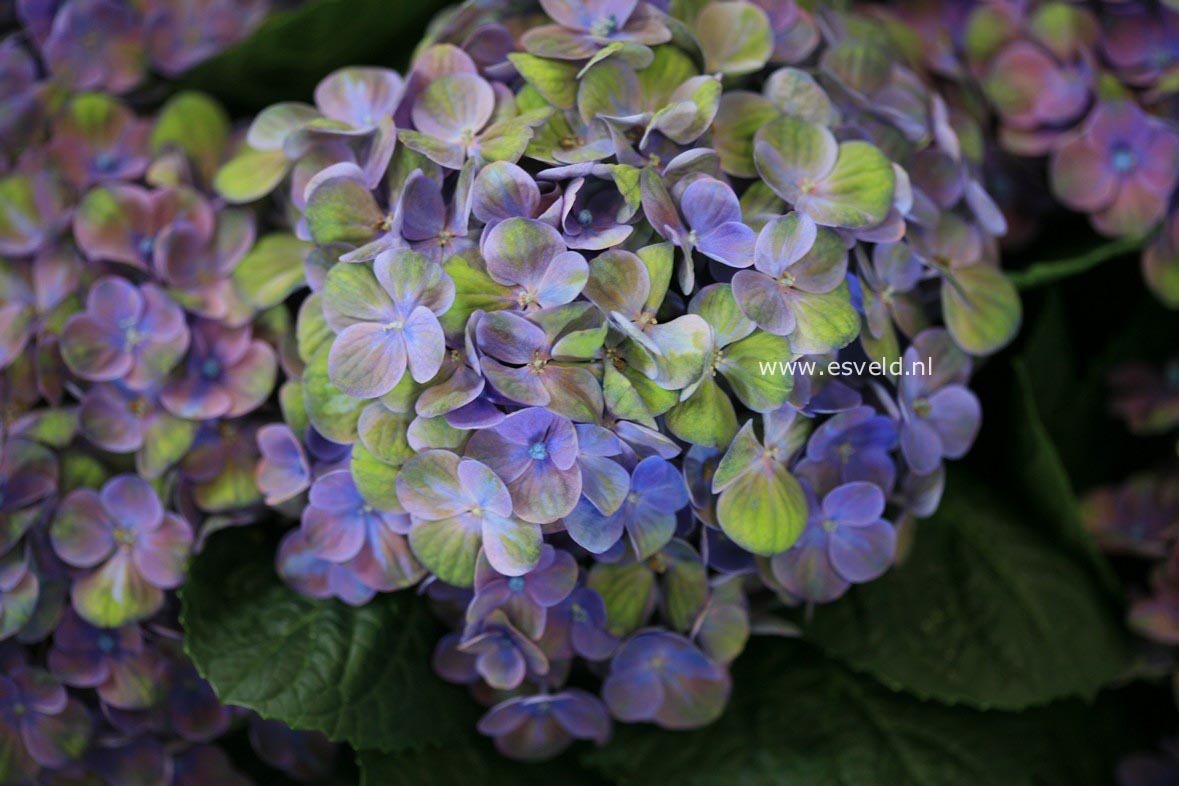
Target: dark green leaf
985,611
359,675
287,56
474,763
796,718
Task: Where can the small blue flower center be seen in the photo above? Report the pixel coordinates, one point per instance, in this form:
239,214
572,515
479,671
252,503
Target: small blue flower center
578,613
829,525
106,643
396,324
632,497
211,368
607,25
584,216
538,451
516,583
1124,158
124,536
106,162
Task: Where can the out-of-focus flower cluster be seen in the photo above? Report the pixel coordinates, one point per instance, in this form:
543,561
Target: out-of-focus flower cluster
1091,90
1138,519
562,272
136,339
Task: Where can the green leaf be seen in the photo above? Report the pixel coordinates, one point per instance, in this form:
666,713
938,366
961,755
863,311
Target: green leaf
472,763
287,56
985,611
359,675
795,718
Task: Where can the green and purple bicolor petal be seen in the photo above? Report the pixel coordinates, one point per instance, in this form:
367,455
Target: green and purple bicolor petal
503,655
536,728
662,678
532,257
534,451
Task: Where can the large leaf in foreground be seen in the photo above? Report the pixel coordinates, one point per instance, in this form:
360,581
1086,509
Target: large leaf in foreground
985,611
360,675
796,718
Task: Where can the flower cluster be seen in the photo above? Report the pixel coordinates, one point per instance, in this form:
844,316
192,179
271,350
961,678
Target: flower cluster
1138,519
136,334
576,283
1090,90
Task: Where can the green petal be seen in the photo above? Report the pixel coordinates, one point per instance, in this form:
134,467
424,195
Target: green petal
738,459
705,418
763,511
740,114
312,332
383,432
718,307
276,122
736,37
272,270
556,80
506,141
691,111
250,175
674,354
474,290
981,307
165,442
448,548
857,193
685,585
196,125
333,413
669,69
375,480
660,261
293,405
344,211
628,592
742,369
796,93
825,322
115,594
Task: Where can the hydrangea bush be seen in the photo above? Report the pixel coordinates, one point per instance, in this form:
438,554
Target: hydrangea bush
576,280
132,306
603,388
